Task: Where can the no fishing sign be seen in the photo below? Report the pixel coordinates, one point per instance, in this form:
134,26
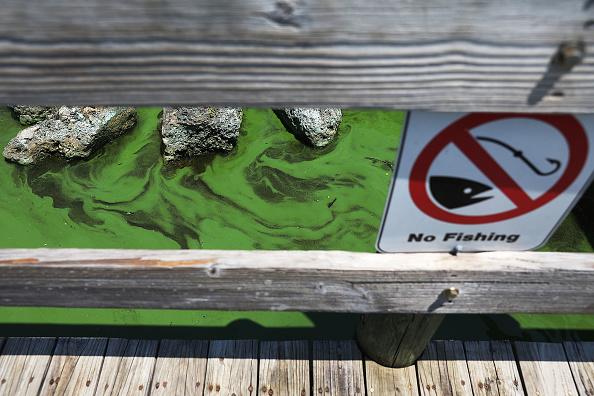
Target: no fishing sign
482,181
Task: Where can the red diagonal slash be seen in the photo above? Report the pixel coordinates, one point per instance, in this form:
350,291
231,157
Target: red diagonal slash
490,168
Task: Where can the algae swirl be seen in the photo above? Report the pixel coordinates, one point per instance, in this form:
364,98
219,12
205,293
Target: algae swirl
271,192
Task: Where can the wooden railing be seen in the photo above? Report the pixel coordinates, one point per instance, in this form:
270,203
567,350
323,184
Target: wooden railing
499,282
455,55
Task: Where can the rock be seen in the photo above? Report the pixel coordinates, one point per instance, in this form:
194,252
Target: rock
312,126
70,132
29,115
189,132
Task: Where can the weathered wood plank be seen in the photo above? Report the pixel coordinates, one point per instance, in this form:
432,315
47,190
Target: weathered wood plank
580,356
508,376
439,54
387,381
337,369
489,377
544,369
23,364
75,367
483,376
232,368
180,368
443,371
127,367
293,280
284,368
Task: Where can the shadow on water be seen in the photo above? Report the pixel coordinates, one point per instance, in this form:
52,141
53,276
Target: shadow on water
503,327
325,326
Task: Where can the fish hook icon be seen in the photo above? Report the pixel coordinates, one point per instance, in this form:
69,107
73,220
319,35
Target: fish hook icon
519,154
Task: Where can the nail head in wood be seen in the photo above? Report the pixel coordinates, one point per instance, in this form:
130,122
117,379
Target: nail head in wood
451,293
571,53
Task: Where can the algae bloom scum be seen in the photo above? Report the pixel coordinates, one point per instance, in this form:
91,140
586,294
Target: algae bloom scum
269,192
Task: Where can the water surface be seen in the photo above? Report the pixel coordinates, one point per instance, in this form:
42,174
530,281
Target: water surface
271,192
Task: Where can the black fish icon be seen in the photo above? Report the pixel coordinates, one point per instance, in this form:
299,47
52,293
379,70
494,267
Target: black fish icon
456,192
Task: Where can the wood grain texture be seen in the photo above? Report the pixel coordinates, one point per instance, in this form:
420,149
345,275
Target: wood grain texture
396,340
438,54
497,282
387,381
544,369
488,377
23,364
232,368
180,368
483,376
128,367
443,371
75,367
284,368
580,356
508,376
337,369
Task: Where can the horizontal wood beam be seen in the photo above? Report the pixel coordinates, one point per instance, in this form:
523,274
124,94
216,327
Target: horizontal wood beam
501,282
454,55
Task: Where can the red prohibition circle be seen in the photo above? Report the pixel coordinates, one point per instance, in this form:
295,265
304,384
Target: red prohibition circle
458,133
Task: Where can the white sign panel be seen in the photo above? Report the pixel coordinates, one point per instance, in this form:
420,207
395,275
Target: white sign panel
480,181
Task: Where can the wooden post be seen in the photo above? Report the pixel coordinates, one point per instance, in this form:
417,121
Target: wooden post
396,340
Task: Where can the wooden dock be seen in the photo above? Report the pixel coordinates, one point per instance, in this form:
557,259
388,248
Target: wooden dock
100,366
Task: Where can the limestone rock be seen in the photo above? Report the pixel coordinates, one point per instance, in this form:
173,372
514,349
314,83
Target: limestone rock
70,132
189,132
29,115
313,126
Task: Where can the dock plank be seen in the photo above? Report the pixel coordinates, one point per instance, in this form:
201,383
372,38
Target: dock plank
180,368
284,368
23,364
390,381
127,367
488,377
545,369
87,366
75,366
508,374
232,368
483,375
443,371
581,361
337,368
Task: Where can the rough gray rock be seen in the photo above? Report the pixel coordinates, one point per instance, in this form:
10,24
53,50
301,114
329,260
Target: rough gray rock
70,132
313,126
29,115
189,132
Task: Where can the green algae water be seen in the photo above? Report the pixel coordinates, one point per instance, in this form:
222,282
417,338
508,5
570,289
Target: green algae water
271,192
